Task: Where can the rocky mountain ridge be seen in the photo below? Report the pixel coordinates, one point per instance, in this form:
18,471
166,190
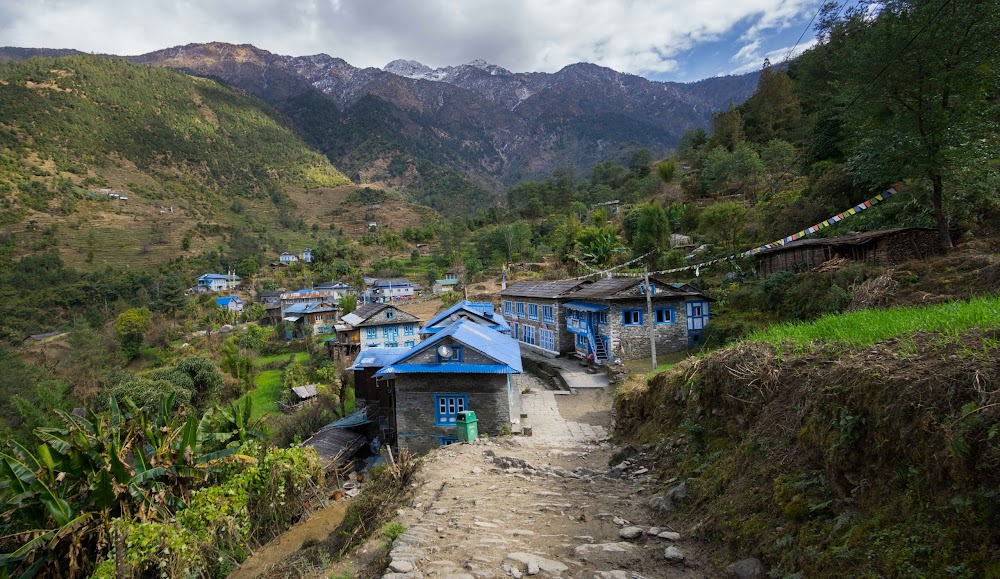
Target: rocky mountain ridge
467,130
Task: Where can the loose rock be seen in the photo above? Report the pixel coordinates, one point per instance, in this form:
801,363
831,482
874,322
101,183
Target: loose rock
630,532
746,569
669,535
674,555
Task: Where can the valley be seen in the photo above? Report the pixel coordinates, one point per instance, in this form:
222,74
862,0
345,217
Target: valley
283,316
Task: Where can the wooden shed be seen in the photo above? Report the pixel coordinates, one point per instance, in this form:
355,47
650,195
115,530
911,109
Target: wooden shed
882,248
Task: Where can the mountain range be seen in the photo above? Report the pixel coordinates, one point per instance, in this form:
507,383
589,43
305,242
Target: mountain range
455,136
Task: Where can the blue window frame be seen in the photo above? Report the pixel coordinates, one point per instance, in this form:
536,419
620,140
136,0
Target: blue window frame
519,308
548,314
602,318
664,315
390,331
456,355
631,317
446,440
371,333
408,330
392,344
447,406
547,339
508,307
529,335
532,311
409,343
390,315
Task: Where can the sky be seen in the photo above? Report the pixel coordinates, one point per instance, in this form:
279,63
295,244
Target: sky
678,40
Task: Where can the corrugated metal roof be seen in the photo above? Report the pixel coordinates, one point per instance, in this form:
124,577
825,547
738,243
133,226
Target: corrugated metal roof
477,309
377,357
449,368
309,308
394,282
490,343
853,239
219,276
304,392
540,289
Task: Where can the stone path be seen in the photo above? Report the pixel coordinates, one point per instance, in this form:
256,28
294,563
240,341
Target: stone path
549,427
546,505
576,376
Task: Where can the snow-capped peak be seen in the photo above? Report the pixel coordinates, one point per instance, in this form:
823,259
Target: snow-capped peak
407,68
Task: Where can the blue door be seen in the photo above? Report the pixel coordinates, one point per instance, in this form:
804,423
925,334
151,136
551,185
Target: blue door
697,317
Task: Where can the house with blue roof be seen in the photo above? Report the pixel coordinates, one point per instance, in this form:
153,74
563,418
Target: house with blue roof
230,303
465,366
312,318
215,282
479,312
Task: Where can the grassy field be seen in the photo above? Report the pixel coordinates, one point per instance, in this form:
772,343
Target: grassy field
300,357
869,326
265,395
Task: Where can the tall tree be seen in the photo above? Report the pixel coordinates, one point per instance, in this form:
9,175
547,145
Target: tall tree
930,110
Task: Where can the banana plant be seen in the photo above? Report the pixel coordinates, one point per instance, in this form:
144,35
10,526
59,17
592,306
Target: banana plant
59,499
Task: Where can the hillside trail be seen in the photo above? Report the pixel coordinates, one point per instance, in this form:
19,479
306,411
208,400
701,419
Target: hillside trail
547,505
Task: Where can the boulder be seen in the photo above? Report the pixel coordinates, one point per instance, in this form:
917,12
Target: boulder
746,569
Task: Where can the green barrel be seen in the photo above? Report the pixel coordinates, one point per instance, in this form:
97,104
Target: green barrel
467,426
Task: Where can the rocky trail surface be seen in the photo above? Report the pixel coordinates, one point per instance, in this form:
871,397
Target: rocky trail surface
548,505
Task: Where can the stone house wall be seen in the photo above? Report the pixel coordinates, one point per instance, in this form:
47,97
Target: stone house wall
564,341
632,342
491,396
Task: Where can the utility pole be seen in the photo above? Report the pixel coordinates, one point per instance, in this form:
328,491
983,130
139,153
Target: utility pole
649,315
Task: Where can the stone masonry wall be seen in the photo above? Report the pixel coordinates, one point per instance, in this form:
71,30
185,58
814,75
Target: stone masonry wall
632,342
488,397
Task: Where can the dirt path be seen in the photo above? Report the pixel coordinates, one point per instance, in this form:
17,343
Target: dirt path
315,528
548,506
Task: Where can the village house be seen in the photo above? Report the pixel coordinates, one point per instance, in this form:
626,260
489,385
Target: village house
385,290
307,255
606,318
215,282
444,285
378,325
534,313
302,296
312,318
466,366
335,290
230,303
883,248
477,312
288,258
609,319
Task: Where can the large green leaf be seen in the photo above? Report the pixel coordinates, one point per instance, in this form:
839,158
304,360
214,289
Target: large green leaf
58,444
189,441
20,476
206,458
104,491
60,510
148,475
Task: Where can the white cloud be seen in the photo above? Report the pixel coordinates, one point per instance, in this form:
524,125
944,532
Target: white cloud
640,37
751,58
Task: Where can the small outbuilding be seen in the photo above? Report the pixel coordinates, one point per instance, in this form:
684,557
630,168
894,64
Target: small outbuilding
883,248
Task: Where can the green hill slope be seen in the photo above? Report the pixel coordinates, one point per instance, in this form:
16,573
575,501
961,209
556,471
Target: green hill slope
79,122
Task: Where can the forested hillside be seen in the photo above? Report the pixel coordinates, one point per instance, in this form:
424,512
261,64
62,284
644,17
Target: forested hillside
74,124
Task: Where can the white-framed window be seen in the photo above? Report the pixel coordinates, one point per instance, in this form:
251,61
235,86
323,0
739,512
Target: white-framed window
547,339
447,407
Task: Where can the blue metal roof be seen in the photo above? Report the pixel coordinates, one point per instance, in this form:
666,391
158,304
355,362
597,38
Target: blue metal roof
490,343
483,310
585,307
308,308
449,368
377,357
218,276
224,302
